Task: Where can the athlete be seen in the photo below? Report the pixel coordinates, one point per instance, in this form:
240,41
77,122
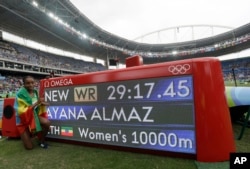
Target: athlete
31,115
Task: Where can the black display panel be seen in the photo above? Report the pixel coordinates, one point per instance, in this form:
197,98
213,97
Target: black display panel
154,114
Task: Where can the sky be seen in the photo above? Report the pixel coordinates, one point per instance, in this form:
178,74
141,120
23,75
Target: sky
133,18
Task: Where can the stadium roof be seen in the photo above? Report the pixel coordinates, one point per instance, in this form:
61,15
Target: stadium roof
135,18
68,31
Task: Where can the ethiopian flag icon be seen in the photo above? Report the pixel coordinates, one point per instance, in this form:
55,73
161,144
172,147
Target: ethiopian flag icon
67,131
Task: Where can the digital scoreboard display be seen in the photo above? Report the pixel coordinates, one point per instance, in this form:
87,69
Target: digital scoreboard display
164,107
155,113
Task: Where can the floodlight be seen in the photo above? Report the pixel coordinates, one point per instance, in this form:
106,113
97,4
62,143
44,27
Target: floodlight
174,52
35,3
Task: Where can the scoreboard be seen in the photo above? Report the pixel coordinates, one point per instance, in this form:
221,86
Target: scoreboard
174,107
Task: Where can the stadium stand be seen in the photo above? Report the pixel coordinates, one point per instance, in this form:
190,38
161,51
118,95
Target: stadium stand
16,60
16,56
236,71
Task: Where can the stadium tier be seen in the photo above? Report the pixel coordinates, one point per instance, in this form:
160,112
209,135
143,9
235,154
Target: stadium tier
19,58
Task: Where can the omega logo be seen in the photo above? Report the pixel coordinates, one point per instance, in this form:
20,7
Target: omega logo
59,82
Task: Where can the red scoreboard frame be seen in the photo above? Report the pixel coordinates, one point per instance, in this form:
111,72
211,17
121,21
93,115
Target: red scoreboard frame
192,86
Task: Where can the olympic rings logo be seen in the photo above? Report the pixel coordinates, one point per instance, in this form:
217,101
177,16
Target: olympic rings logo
179,69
